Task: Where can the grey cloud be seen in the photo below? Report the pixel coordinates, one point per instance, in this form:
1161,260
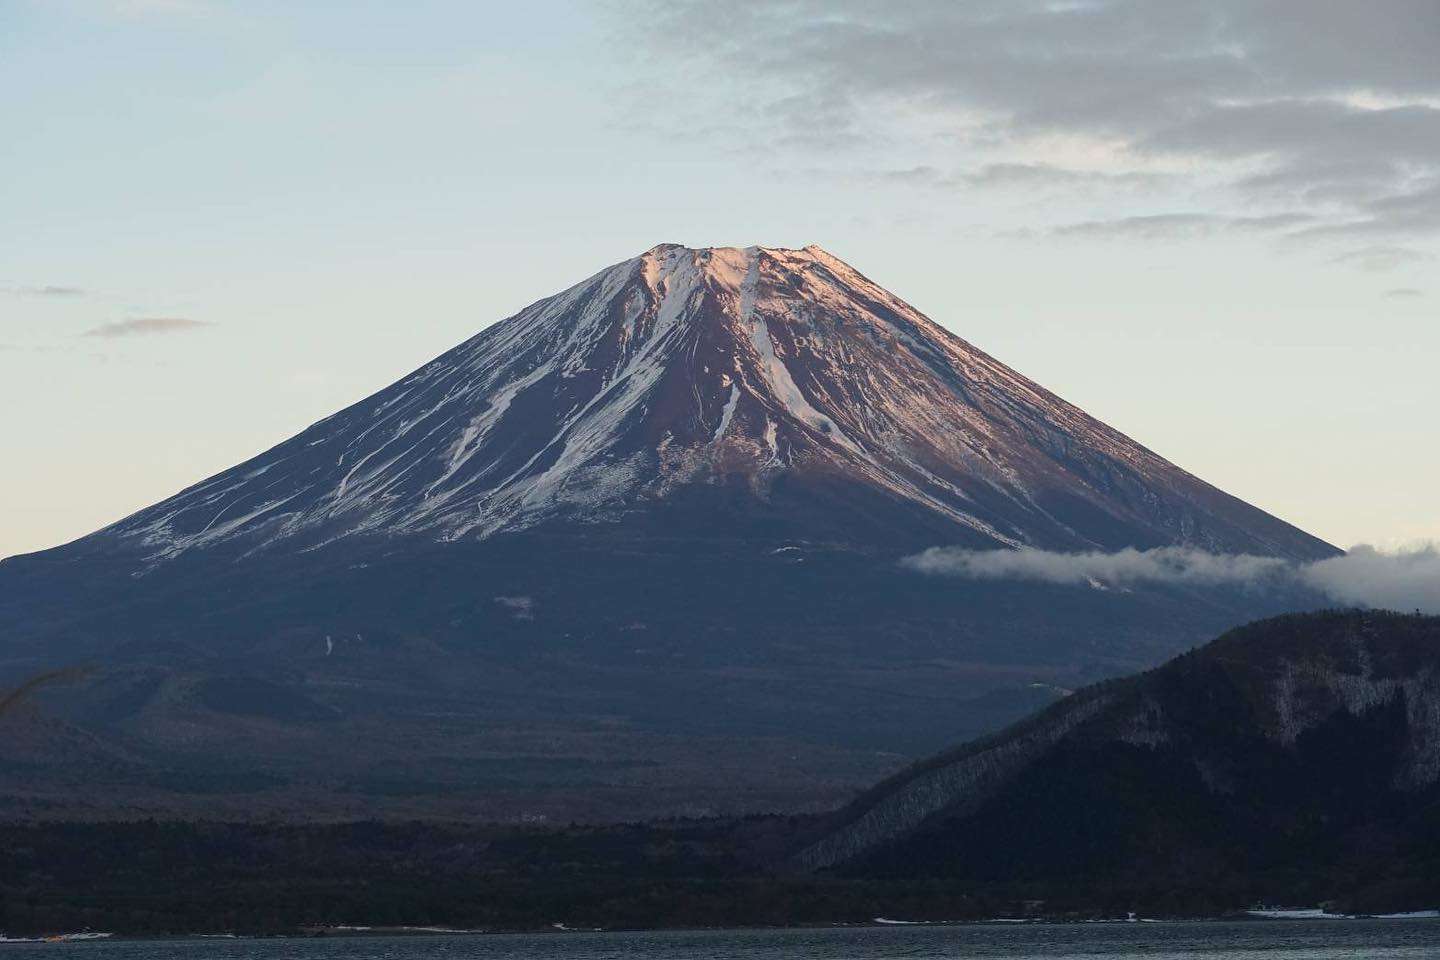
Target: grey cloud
1414,213
1045,174
1403,293
1379,258
1328,107
1404,580
140,326
1320,138
1149,226
926,176
1323,182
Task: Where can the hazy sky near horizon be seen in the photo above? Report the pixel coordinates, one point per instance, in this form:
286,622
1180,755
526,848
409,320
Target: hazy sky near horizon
1214,226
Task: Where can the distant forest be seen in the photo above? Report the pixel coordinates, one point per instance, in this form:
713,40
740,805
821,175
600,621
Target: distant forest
152,878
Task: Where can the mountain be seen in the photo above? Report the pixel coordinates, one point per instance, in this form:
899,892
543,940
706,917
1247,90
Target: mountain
1297,756
785,373
636,544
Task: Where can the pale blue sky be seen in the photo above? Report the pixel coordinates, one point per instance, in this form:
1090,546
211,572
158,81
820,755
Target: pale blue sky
223,221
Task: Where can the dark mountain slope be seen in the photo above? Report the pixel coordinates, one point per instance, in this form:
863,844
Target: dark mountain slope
716,680
1303,746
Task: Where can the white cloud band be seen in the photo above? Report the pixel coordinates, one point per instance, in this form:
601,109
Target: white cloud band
1400,580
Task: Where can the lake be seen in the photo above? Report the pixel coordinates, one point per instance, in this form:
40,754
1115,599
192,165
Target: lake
1313,940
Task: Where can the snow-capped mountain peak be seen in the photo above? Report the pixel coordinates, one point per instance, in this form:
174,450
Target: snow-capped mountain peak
782,374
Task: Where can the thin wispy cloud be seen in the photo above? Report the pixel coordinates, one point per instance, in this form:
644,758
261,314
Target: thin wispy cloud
1011,176
146,326
1404,293
1326,112
52,349
1162,226
1029,175
1400,580
45,290
148,8
1382,258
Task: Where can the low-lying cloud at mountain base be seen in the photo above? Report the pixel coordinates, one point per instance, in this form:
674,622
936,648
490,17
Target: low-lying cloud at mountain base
1407,579
1401,580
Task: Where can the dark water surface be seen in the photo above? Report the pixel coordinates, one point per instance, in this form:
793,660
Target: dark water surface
1370,939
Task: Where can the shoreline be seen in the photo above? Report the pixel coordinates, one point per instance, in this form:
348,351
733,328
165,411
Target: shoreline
362,931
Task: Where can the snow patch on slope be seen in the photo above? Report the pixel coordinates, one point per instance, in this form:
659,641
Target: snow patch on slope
728,413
